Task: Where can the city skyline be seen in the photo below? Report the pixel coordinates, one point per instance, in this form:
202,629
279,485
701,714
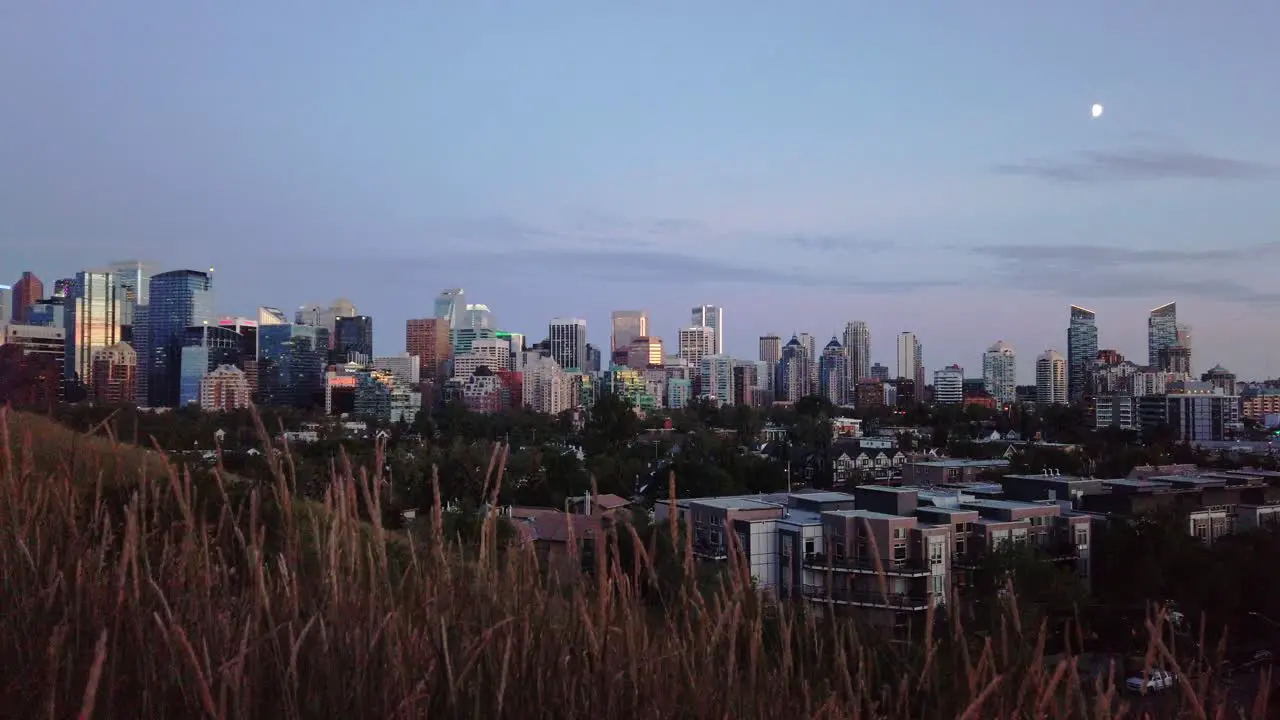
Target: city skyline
385,344
542,155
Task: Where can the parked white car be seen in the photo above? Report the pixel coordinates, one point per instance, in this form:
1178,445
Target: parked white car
1154,681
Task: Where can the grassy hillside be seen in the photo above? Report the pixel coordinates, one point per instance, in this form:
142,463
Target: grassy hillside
131,590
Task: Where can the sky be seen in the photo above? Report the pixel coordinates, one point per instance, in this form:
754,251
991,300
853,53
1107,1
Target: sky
930,167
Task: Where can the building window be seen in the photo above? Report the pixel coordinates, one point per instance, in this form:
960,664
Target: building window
899,551
808,546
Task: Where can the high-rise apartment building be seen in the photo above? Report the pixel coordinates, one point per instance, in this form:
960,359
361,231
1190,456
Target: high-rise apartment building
1162,331
6,302
428,339
948,385
1000,372
696,343
546,388
92,322
1082,351
833,374
910,358
810,344
627,327
711,316
568,339
115,369
26,292
179,299
792,382
1051,378
857,345
715,376
225,389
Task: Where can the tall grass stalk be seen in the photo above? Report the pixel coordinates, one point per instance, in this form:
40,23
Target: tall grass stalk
132,588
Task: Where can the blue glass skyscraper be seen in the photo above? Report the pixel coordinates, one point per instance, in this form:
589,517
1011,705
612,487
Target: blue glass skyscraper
179,299
291,362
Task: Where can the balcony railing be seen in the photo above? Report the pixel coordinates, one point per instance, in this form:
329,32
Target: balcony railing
867,598
913,567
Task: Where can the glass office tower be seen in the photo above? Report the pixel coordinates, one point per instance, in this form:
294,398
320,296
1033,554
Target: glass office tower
204,348
291,362
1082,351
91,317
352,336
179,300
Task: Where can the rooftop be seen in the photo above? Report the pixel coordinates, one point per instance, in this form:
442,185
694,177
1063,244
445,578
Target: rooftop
945,510
1136,484
961,463
1055,478
736,503
1191,480
867,514
888,489
1003,504
823,496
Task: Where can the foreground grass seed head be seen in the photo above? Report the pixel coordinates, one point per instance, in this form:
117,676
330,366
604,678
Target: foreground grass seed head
134,589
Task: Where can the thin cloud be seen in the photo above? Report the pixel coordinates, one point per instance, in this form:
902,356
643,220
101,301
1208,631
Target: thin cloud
830,243
1094,255
1140,164
1128,284
655,267
1093,271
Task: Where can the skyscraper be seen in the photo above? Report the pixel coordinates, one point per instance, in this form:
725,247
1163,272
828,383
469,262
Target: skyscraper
449,306
1082,350
833,373
810,344
1000,372
26,292
352,336
627,326
92,322
428,339
857,345
272,316
325,316
948,385
711,316
568,339
1162,331
770,349
6,301
179,299
696,343
133,285
792,382
1051,378
291,364
910,358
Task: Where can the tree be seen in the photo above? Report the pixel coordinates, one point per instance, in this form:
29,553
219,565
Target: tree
611,425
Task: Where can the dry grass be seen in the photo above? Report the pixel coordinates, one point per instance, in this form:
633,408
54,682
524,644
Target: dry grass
131,590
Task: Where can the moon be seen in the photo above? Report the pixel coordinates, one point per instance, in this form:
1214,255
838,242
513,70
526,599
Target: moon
1096,111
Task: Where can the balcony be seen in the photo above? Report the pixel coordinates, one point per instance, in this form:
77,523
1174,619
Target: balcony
867,598
913,567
